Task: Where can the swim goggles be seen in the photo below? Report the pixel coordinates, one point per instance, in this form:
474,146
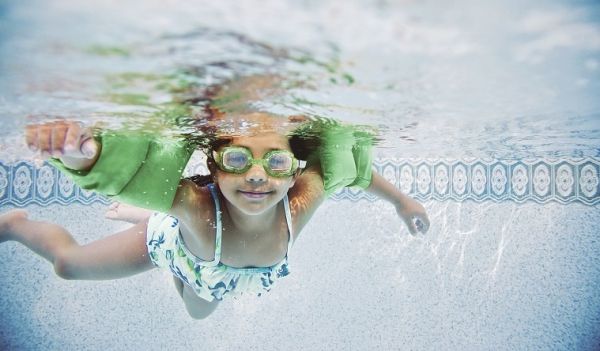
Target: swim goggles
237,159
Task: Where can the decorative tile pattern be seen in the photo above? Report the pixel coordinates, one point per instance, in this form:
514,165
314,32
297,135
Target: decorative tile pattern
460,181
4,182
499,181
541,178
479,178
21,187
441,182
541,181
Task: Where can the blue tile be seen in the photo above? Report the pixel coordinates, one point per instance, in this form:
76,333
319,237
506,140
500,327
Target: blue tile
520,181
22,184
5,180
45,189
540,181
480,180
459,178
66,189
542,178
565,175
406,178
499,187
589,182
441,180
424,181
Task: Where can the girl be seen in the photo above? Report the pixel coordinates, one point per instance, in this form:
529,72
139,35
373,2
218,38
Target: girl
218,238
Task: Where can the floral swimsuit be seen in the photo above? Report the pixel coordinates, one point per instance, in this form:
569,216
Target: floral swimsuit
209,279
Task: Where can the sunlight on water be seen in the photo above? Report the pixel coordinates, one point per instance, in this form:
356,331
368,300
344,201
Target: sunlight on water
482,109
435,81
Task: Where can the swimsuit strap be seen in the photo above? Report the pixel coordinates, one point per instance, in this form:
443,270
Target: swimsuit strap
288,219
219,231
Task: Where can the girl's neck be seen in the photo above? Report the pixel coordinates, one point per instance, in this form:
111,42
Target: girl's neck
244,223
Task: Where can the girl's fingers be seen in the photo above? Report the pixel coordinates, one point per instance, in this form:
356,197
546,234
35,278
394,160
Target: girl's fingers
58,133
412,228
72,138
44,140
417,223
426,223
60,138
89,146
420,224
31,132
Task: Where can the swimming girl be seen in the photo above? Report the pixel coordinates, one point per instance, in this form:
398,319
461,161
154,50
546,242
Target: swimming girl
220,236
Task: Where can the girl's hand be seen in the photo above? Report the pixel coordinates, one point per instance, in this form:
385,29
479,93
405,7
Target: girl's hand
74,145
414,215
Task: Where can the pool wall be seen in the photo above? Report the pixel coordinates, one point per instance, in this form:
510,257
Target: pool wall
508,268
541,181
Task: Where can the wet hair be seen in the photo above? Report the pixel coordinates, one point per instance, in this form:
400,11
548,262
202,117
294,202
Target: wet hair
207,145
302,144
201,179
303,147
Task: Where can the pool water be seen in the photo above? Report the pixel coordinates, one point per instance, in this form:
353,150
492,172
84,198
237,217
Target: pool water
486,112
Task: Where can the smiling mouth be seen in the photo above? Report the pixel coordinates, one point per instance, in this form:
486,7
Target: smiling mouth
255,194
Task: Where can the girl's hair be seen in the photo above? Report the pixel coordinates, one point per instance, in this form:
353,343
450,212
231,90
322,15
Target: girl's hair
303,147
201,179
214,144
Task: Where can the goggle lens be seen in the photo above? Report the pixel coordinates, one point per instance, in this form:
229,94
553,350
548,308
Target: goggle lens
277,163
280,162
235,159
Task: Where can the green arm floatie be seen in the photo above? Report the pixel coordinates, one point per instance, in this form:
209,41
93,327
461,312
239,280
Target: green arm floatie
346,157
137,169
363,159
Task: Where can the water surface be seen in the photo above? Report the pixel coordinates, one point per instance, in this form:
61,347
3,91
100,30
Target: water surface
500,80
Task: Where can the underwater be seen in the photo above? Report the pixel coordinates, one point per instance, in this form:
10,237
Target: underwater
486,113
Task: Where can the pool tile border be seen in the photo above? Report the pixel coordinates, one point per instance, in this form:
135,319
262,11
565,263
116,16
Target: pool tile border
541,181
564,181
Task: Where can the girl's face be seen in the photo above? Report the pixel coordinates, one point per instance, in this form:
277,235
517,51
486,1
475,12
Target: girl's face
255,191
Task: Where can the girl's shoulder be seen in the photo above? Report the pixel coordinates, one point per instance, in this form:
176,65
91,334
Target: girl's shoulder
192,200
195,209
308,183
306,195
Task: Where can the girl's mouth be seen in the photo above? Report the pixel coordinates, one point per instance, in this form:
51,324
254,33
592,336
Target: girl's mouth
255,195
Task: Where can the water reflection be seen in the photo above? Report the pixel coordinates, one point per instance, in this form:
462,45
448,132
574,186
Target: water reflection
420,72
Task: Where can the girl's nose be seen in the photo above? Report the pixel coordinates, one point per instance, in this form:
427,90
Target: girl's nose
256,173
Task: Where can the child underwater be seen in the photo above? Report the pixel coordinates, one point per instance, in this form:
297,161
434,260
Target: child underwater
223,234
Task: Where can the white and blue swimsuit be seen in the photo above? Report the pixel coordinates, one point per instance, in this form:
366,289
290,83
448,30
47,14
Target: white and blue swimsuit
209,279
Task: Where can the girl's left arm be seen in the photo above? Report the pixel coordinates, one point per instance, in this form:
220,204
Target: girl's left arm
411,212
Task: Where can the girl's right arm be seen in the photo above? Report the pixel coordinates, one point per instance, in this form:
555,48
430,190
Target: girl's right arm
130,167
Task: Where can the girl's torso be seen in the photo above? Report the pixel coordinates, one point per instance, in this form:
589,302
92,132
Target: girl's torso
238,249
198,225
212,278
